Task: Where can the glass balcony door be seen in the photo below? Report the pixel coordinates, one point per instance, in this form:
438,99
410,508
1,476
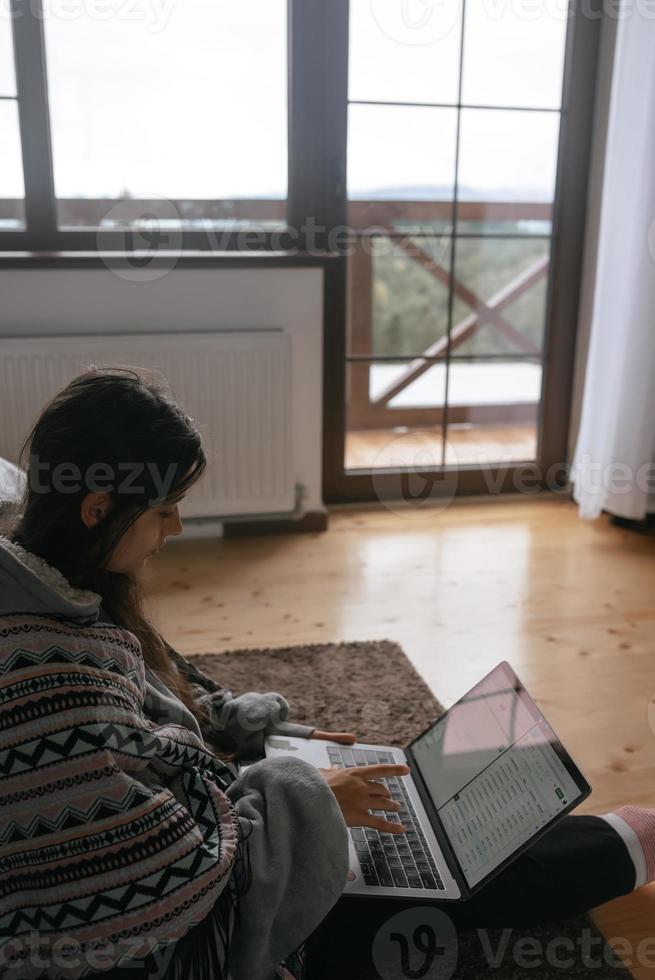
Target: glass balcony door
454,114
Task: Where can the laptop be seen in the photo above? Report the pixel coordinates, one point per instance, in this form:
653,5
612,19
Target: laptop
487,779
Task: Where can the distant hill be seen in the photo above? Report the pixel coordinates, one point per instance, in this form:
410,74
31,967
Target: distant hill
438,192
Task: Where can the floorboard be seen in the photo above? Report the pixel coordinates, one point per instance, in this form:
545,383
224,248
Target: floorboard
569,603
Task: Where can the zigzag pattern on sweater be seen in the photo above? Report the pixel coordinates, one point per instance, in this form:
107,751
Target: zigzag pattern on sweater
103,737
20,624
112,829
57,654
70,817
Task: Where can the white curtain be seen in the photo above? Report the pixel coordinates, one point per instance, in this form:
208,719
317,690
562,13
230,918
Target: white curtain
613,462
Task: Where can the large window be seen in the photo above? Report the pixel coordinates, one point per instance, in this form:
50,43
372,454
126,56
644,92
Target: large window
453,136
169,111
432,157
12,212
186,104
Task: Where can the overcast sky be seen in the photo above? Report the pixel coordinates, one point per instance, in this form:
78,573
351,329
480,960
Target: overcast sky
187,98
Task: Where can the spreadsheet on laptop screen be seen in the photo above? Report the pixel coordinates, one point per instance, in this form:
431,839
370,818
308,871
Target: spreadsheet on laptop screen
493,774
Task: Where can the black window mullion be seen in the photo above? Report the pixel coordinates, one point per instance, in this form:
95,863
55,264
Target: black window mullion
318,125
33,114
568,229
453,242
318,68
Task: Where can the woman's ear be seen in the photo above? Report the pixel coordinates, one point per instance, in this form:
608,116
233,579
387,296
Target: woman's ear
94,507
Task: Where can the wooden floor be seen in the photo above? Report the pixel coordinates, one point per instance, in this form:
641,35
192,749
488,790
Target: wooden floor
568,603
465,444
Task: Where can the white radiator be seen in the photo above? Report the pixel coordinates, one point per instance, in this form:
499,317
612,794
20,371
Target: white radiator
236,385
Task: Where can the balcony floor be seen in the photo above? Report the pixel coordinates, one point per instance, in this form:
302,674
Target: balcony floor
373,448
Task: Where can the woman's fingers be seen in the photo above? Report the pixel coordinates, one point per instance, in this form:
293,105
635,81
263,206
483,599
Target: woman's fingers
364,801
344,738
385,826
382,803
382,771
378,790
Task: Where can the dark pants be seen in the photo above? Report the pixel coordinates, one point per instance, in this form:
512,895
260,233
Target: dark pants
579,864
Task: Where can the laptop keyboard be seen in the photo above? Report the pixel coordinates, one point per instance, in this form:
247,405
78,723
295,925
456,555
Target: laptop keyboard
391,860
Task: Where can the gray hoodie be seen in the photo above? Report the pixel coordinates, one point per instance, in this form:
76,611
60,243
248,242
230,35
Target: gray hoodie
297,839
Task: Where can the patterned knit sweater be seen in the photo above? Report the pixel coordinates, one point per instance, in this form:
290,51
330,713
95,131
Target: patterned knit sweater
111,825
118,833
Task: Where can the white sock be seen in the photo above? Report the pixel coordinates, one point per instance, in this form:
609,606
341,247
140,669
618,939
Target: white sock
636,827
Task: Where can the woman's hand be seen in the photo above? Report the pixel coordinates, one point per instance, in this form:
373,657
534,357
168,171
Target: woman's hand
344,738
357,792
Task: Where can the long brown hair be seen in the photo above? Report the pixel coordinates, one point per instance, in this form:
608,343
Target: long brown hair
123,419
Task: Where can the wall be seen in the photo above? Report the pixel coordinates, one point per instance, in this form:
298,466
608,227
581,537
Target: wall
98,301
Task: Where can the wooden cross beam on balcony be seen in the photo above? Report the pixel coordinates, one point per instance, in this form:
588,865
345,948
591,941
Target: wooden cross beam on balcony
488,312
465,328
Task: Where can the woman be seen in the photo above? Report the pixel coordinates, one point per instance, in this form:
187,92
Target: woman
130,844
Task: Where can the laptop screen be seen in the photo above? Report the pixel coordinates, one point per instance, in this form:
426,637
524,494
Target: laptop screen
496,773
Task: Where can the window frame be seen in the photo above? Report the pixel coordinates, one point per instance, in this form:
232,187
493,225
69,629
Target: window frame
318,39
41,232
549,471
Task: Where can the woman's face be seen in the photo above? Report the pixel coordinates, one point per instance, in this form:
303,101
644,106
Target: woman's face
142,539
145,537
